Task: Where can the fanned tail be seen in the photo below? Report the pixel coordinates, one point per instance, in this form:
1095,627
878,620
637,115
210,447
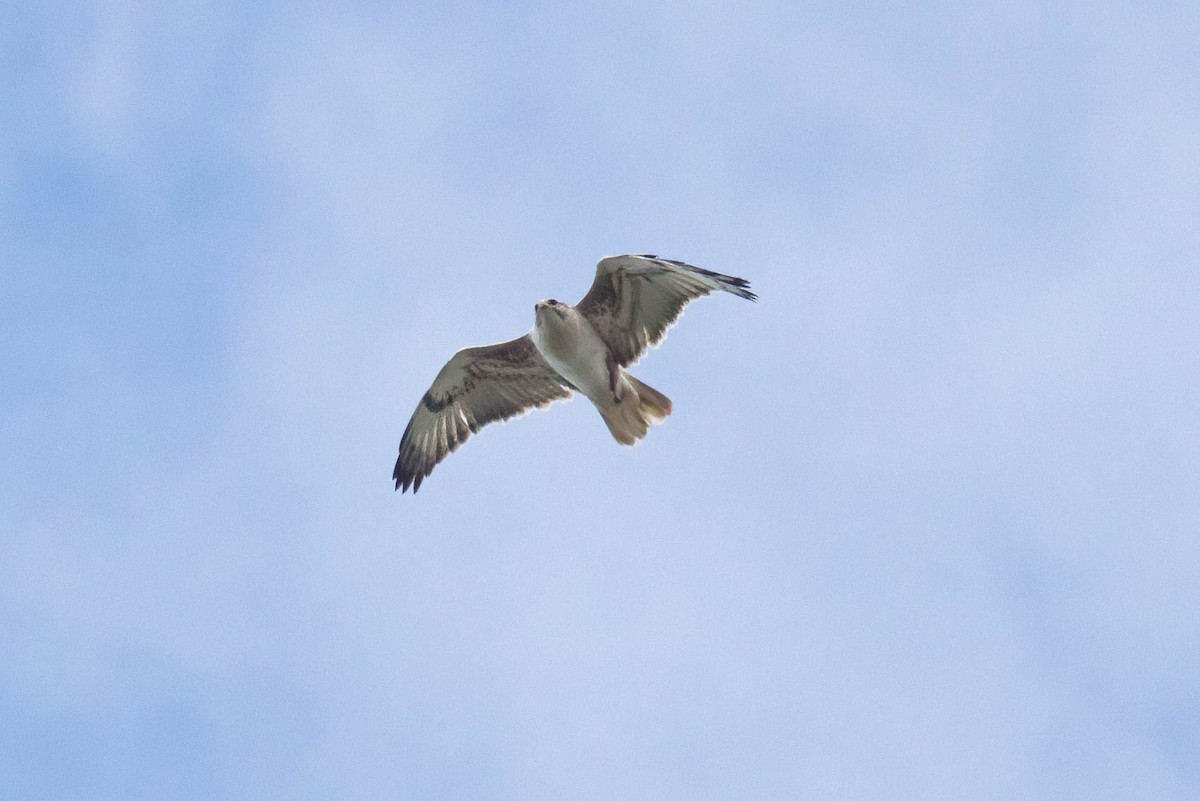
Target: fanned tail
654,405
640,407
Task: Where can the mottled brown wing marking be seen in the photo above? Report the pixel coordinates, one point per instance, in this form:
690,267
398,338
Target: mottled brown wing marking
476,387
633,300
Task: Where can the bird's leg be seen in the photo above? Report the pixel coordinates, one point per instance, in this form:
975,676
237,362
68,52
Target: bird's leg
614,378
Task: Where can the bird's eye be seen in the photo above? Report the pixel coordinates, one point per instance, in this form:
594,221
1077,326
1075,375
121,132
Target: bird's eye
554,303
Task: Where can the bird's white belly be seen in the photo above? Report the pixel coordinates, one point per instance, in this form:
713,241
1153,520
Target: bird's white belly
578,355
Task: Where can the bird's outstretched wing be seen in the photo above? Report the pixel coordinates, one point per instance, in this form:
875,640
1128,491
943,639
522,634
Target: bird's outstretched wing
634,299
477,386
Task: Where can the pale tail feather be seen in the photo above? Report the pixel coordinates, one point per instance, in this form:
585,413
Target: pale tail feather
629,419
655,406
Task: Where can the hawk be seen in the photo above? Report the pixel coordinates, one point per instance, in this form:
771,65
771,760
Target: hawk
582,348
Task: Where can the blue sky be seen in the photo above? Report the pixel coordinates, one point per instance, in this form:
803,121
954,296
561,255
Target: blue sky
922,525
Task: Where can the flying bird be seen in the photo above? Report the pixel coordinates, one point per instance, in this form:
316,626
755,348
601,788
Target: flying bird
581,348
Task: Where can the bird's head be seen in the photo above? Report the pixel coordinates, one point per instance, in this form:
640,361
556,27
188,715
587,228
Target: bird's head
554,307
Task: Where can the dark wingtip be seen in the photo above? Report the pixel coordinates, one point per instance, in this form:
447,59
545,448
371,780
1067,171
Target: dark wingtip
738,286
401,477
